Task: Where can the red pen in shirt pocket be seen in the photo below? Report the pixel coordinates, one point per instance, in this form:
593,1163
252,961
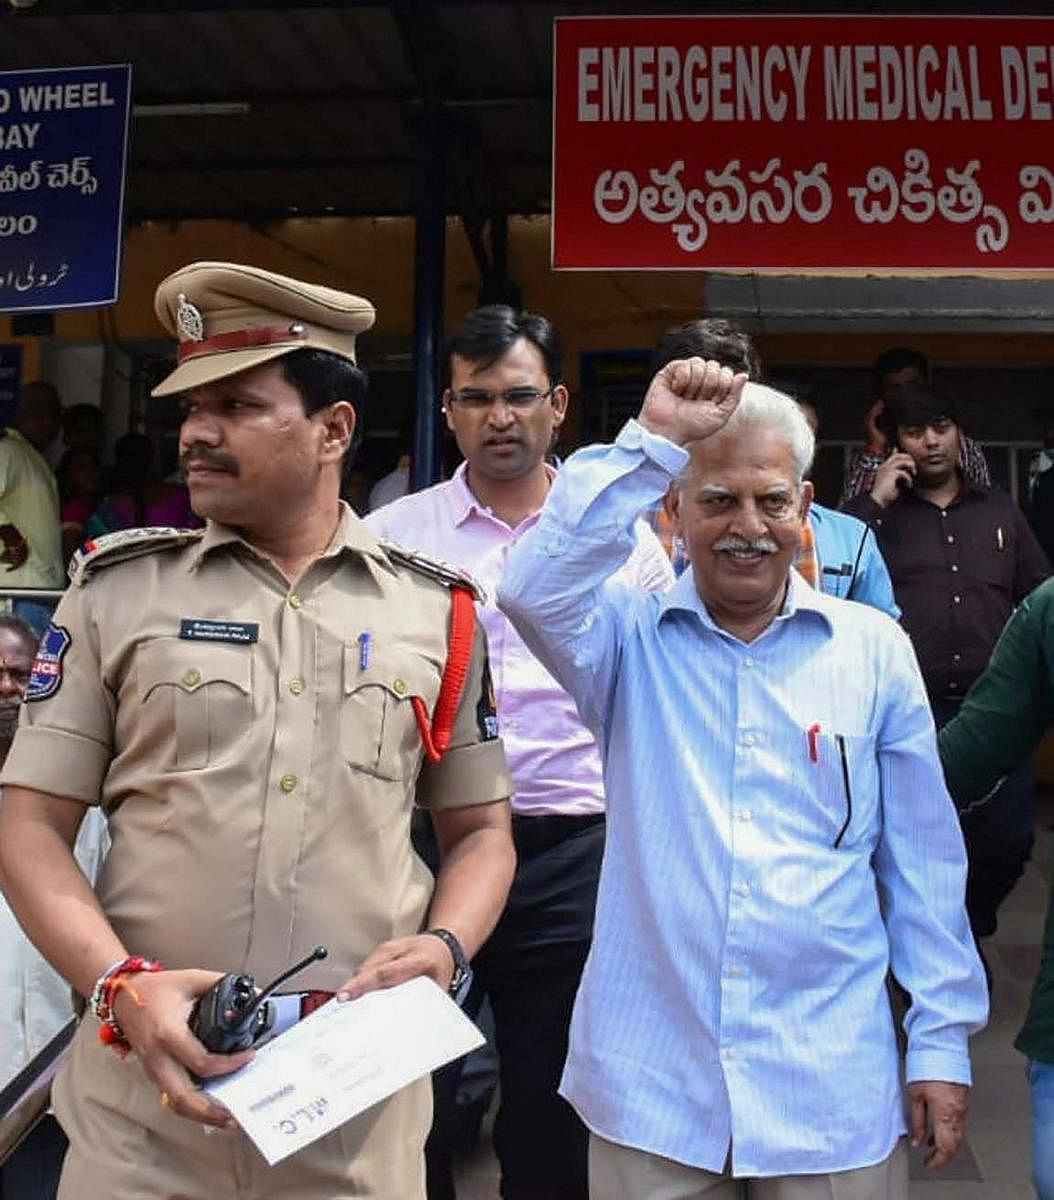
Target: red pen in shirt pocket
813,734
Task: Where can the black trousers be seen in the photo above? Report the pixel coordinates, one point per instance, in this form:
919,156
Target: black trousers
32,1172
530,969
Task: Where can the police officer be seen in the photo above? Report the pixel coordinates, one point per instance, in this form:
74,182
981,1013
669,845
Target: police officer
251,704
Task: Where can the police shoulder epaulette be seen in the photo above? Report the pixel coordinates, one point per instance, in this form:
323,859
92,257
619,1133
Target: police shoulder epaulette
433,568
126,543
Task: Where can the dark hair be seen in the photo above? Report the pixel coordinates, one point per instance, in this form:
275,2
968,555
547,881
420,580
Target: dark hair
710,337
323,378
486,333
899,358
21,630
80,417
916,404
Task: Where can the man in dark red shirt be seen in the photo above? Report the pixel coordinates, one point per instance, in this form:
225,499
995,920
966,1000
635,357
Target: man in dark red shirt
961,557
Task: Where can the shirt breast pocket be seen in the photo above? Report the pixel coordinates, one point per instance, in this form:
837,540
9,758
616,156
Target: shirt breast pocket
197,698
379,733
847,789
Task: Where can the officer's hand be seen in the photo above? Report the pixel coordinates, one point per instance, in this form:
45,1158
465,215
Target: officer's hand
877,442
897,472
153,1013
690,399
399,960
938,1118
16,550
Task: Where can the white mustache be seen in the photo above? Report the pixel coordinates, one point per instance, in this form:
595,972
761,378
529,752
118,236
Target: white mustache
761,545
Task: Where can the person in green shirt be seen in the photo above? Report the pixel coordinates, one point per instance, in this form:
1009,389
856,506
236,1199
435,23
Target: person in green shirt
1001,722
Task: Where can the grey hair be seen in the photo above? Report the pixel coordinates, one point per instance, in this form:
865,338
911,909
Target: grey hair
764,408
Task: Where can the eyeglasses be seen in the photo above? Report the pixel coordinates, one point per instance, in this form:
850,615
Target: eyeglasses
518,398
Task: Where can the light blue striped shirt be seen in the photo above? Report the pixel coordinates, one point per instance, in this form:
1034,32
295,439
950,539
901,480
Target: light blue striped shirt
735,991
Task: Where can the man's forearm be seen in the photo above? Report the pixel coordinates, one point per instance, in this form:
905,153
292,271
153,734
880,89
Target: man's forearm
472,885
47,890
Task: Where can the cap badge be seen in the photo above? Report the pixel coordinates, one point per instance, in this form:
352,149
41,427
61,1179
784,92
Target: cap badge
189,323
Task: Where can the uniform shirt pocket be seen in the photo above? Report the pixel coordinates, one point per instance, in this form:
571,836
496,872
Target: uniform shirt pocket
197,696
378,728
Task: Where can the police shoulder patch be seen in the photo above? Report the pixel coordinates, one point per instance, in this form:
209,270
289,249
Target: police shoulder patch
433,568
45,679
126,543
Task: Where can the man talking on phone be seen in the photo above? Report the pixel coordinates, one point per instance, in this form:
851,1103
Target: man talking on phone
961,557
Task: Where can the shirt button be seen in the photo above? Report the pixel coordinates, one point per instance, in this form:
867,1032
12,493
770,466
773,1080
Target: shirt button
735,972
296,686
953,685
728,1052
745,814
399,687
944,513
748,662
951,540
287,783
750,739
954,567
957,599
957,658
741,889
294,600
192,677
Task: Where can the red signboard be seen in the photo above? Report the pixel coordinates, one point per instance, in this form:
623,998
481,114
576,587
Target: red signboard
803,142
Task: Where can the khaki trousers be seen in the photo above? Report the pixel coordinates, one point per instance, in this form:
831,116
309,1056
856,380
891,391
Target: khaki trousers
621,1173
125,1146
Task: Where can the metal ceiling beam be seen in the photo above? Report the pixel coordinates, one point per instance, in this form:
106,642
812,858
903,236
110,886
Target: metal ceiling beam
366,163
349,95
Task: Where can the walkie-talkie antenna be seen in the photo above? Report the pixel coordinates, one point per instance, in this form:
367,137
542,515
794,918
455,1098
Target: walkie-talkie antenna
316,955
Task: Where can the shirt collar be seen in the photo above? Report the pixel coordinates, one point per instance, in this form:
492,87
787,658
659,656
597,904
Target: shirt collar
800,598
351,534
463,500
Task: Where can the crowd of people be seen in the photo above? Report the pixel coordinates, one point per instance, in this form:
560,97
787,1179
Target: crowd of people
646,736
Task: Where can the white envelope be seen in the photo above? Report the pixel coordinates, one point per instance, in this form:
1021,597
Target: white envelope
340,1060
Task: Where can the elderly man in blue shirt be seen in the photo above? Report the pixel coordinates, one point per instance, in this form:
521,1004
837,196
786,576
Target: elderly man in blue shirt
779,833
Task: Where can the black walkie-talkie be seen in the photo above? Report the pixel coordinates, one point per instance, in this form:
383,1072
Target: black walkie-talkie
232,1015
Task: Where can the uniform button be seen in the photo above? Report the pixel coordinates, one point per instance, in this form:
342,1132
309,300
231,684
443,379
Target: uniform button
745,814
294,601
296,686
944,513
399,687
741,889
192,677
957,658
735,972
287,783
953,685
954,567
748,662
957,599
951,540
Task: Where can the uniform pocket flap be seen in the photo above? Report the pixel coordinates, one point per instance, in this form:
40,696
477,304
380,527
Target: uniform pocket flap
400,675
192,665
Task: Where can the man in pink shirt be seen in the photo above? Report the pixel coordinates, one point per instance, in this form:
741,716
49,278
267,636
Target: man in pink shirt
504,405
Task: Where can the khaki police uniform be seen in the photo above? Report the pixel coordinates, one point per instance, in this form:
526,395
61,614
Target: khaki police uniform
255,747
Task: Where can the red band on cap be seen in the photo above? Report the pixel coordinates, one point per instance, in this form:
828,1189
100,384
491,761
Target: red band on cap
243,339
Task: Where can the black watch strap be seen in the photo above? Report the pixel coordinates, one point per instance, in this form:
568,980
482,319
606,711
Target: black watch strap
462,971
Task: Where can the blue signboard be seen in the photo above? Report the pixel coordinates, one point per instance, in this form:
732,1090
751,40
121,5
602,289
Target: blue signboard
10,379
63,152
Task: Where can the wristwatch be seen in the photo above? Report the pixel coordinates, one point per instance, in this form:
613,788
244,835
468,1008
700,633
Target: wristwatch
461,980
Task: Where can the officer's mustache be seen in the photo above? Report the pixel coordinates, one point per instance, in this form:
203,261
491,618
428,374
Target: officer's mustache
216,460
